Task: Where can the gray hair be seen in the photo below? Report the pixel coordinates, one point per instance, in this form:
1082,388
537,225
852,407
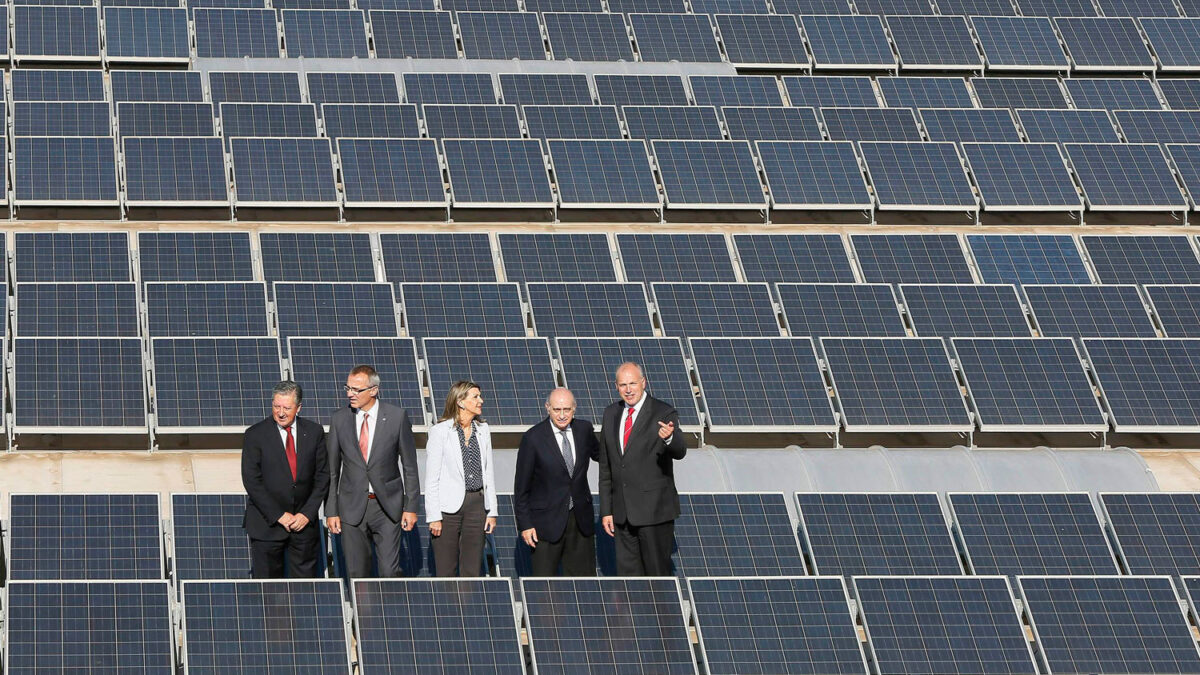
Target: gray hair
562,389
627,364
288,388
369,371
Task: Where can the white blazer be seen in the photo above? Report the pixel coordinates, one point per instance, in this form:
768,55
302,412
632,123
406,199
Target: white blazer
445,487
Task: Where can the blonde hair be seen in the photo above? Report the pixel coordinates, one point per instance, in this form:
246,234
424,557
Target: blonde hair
458,391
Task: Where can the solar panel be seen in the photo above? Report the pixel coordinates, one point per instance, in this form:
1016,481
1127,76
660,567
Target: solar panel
871,124
447,309
268,120
83,537
71,256
89,627
926,92
227,4
556,257
709,174
35,118
623,90
319,364
283,5
207,309
1181,94
498,173
1149,384
825,91
507,369
989,125
1174,42
761,384
258,620
316,256
1055,8
715,310
735,534
895,383
1107,44
934,42
438,626
686,122
207,537
1089,311
195,256
876,533
283,172
471,121
89,309
604,174
1143,259
146,33
419,35
1159,126
204,383
335,309
974,8
1178,309
1022,177
893,7
798,624
352,88
1155,532
1112,93
1027,259
964,310
583,122
236,33
325,33
445,256
762,40
659,6
545,89
588,36
714,7
68,171
622,625
799,7
771,124
56,380
918,176
1186,159
1068,126
845,42
412,5
501,35
163,119
254,87
480,5
1032,533
1125,177
736,90
944,625
48,32
911,258
1109,624
1127,8
370,120
675,257
590,309
841,310
391,172
541,6
813,175
1019,92
57,85
687,38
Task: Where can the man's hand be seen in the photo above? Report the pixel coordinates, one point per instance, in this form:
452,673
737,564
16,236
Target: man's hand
408,520
489,525
665,430
435,528
609,526
530,537
299,522
286,520
334,524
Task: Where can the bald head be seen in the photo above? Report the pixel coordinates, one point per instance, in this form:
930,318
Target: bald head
631,382
560,406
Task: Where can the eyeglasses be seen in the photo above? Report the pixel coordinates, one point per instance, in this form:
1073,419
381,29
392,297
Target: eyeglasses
348,389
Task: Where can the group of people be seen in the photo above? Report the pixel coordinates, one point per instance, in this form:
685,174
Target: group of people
364,472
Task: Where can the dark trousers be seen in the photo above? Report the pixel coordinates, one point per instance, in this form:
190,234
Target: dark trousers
460,546
645,551
356,543
267,555
576,552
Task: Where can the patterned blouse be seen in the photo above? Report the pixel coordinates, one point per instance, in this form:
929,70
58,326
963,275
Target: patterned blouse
472,460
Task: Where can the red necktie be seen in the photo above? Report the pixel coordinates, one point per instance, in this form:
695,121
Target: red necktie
364,438
628,428
291,451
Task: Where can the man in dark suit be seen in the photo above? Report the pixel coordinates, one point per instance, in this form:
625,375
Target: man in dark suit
286,475
638,500
373,472
551,497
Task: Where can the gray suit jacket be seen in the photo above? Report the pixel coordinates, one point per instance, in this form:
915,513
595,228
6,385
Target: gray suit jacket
392,471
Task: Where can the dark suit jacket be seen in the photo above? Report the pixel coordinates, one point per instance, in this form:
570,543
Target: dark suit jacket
638,487
270,491
542,487
392,447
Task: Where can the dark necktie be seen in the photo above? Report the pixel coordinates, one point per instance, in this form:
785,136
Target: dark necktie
290,448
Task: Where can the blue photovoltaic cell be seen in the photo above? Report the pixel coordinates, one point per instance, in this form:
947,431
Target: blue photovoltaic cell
675,257
319,365
96,627
541,6
824,92
1181,94
761,384
715,310
623,90
735,90
391,172
658,6
1186,159
145,33
444,256
1178,309
964,310
589,365
895,383
195,256
407,5
1054,8
1030,533
771,124
352,88
911,258
799,7
1143,259
685,122
498,173
893,7
370,120
268,120
871,124
1109,624
1022,177
61,377
501,35
54,32
418,35
65,170
1028,259
709,174
714,7
617,626
800,625
1019,92
686,38
71,256
75,309
1156,532
1159,126
943,625
1125,177
590,310
841,310
556,257
813,175
545,89
157,85
335,309
1137,8
1112,93
207,534
925,92
1149,384
722,534
325,33
471,121
603,174
480,5
282,5
258,619
877,533
1068,126
316,256
421,88
918,176
588,36
84,536
164,119
507,369
584,122
236,33
1096,43
1089,311
938,42
1174,41
848,42
762,39
294,171
254,87
213,382
989,125
452,309
977,7
36,118
793,257
206,309
57,85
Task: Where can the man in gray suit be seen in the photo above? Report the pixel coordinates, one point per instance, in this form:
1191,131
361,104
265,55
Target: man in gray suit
373,484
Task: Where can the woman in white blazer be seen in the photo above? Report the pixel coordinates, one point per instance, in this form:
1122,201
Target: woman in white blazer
460,487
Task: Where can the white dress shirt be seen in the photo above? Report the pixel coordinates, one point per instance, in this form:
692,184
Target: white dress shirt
637,410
